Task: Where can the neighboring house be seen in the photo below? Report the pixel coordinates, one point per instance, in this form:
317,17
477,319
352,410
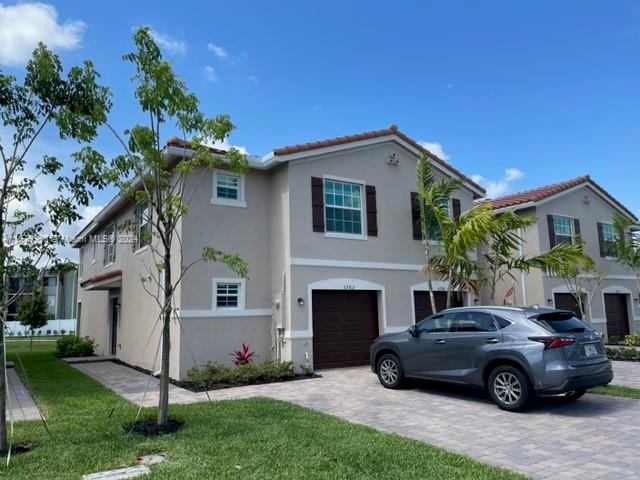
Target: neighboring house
59,290
329,230
565,210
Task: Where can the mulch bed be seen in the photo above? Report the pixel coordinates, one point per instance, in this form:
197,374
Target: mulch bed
149,428
198,387
19,448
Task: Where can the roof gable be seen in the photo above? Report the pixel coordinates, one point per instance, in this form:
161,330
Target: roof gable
539,194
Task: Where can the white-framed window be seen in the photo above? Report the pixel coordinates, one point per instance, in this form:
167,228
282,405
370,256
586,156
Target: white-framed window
563,229
93,251
343,214
110,244
49,281
228,293
608,237
228,188
143,225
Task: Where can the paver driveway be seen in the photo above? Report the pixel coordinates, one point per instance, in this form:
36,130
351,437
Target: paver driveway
596,437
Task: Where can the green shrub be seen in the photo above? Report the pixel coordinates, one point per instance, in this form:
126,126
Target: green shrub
623,353
632,340
215,374
74,347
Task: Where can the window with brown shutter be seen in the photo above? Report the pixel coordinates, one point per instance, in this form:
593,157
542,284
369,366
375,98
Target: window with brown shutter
317,204
456,208
415,216
552,232
372,211
603,249
576,228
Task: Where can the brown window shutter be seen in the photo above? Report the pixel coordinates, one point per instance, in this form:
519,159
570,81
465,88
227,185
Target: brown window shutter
576,227
415,216
603,249
552,232
317,203
372,211
456,207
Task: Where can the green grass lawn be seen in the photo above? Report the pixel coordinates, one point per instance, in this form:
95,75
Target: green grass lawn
617,391
23,345
254,438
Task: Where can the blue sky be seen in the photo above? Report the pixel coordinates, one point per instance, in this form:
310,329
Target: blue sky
520,94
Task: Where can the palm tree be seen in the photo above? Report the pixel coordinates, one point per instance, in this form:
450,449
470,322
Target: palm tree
460,237
433,199
505,239
626,245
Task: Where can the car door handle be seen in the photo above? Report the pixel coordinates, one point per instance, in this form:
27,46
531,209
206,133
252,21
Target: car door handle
441,342
491,340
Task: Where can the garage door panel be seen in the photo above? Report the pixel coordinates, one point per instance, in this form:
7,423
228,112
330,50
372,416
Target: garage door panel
344,325
566,301
615,306
422,303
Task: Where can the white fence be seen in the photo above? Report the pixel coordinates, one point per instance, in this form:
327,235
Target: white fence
66,324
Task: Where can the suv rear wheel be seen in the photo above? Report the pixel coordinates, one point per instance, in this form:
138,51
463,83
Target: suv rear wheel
510,389
390,371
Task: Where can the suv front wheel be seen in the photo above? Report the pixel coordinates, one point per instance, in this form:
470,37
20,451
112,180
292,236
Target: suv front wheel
390,371
510,389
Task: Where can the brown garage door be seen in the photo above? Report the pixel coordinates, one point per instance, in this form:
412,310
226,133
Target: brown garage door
615,308
566,301
344,325
422,303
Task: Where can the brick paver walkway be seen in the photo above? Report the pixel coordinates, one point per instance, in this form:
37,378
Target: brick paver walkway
594,438
22,405
627,374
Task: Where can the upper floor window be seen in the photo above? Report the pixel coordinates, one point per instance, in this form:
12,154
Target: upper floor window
228,188
110,244
143,225
563,229
343,207
81,261
608,239
49,281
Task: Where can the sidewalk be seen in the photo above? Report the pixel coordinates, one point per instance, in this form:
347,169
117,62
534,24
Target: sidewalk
22,405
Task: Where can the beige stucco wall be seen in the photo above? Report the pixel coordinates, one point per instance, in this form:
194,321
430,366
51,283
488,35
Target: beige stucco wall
590,208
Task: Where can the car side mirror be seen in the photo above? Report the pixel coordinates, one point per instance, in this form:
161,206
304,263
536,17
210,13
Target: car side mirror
413,331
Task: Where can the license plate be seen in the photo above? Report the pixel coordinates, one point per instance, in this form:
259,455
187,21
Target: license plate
590,350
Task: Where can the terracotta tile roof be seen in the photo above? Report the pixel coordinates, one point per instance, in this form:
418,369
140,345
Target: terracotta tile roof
178,142
101,277
390,130
540,193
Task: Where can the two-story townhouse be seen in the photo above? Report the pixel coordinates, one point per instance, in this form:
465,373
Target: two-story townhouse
330,232
566,210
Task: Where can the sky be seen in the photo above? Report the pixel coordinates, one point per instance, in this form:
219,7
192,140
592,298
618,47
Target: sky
513,94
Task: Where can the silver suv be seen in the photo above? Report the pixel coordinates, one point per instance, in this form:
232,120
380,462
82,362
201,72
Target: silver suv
517,353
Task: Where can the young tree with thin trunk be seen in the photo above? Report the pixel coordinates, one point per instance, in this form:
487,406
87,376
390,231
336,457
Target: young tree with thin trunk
147,175
76,105
433,198
33,312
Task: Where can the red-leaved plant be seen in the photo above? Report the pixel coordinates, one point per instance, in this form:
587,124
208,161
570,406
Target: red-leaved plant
242,357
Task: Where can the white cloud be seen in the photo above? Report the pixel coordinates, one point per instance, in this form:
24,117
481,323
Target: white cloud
253,79
210,73
172,45
226,145
218,51
496,188
23,25
435,148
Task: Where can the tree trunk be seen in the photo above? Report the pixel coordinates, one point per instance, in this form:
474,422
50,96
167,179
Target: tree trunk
449,291
163,403
31,341
4,446
432,297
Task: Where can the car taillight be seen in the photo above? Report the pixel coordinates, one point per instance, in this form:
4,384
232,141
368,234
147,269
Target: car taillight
554,342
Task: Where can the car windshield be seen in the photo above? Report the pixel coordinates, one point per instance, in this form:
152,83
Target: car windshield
560,322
